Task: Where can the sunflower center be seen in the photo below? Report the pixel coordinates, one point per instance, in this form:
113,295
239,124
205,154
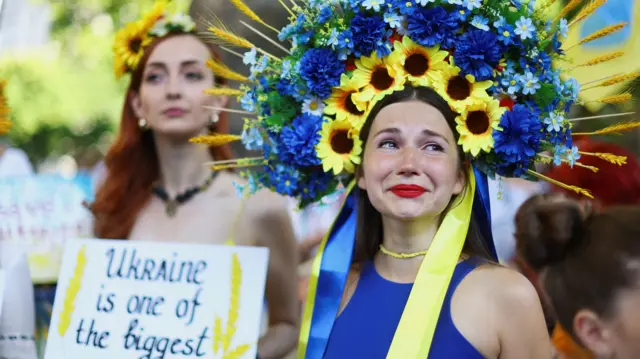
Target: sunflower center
340,142
380,78
416,64
351,107
478,122
459,88
135,45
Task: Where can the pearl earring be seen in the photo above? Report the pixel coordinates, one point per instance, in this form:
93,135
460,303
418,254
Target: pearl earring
214,118
142,123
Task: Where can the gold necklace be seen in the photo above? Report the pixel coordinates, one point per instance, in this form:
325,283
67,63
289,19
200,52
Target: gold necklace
384,250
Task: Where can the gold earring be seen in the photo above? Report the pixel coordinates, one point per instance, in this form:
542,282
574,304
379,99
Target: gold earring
142,123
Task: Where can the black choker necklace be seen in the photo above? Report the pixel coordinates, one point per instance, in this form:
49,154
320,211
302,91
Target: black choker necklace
171,204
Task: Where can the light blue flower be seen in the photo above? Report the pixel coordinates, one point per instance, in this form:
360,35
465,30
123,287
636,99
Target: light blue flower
572,89
373,4
525,28
252,139
530,83
286,69
563,28
500,22
512,83
424,2
248,101
333,38
559,154
249,57
573,156
455,2
394,20
239,189
480,22
472,4
554,122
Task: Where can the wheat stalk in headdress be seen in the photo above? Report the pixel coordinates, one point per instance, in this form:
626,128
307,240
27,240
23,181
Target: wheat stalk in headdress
603,58
223,91
615,128
600,34
587,10
576,189
609,157
614,80
240,5
570,6
215,139
224,71
75,284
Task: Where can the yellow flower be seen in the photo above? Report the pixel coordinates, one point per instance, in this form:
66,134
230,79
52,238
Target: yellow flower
476,124
460,91
376,78
344,105
420,65
5,123
339,149
129,46
155,14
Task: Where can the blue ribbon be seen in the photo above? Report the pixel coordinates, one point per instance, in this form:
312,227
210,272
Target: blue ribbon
482,211
334,269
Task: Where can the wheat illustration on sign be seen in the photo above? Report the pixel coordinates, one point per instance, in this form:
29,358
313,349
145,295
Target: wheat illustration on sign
72,292
222,337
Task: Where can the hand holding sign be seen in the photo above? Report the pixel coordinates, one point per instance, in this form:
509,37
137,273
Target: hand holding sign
148,300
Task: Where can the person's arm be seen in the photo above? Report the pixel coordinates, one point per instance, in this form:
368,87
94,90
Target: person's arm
522,331
277,234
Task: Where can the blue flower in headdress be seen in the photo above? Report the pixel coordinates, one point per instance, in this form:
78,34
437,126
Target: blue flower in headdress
406,7
298,141
557,45
433,26
321,68
478,53
325,14
284,179
318,182
368,32
518,142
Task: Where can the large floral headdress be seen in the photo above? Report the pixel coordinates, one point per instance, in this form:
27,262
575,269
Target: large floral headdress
499,64
131,41
5,123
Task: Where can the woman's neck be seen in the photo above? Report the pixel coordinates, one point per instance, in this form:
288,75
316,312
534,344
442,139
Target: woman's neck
403,236
182,165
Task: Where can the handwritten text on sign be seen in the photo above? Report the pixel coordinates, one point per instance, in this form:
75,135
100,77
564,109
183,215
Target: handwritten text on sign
143,300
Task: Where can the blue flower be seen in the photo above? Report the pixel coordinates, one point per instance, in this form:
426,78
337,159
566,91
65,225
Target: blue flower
394,20
286,69
557,45
518,142
554,122
530,83
248,101
284,179
406,7
525,28
302,39
325,14
367,33
472,4
249,57
506,34
345,44
321,68
373,4
563,28
478,53
480,22
298,141
252,139
433,26
316,185
286,32
333,38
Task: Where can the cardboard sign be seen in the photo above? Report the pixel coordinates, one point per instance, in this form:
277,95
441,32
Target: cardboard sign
40,213
147,300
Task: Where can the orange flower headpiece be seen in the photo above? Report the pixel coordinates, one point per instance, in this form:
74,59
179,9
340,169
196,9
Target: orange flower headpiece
131,41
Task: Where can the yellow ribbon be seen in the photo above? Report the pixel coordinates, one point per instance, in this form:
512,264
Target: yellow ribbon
414,334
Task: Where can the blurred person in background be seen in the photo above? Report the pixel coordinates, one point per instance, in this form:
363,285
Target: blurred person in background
620,186
589,269
157,185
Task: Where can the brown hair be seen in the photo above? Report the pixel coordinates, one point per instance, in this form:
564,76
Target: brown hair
132,163
369,220
583,256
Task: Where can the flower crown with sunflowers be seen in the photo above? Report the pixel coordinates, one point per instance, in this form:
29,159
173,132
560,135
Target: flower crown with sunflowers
5,122
492,61
131,41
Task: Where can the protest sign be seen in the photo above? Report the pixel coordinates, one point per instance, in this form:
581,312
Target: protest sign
40,213
147,300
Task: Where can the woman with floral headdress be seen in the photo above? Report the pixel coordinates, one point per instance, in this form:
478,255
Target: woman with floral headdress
158,186
411,105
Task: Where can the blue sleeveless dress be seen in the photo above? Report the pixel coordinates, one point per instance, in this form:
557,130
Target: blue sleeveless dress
366,327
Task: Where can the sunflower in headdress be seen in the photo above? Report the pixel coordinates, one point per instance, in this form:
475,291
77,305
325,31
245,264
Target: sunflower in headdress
344,104
460,91
339,148
129,46
419,64
376,78
5,124
476,124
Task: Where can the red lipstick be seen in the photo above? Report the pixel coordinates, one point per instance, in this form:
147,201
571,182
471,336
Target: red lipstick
408,190
174,112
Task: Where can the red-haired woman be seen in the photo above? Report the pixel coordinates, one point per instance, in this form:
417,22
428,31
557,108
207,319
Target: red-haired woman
157,186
